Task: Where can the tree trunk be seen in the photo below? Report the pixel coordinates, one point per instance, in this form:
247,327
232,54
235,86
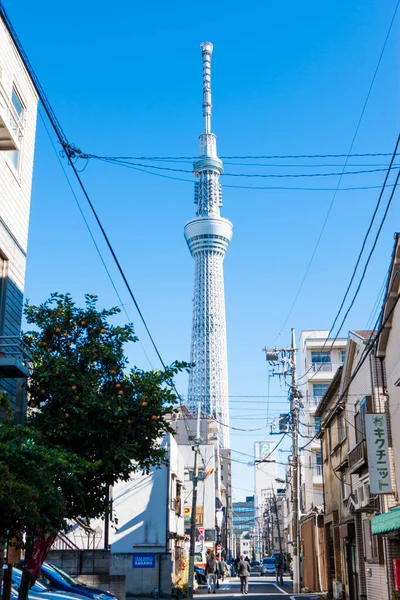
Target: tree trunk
25,580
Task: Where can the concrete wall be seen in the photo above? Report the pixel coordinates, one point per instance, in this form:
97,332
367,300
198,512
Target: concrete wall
15,195
91,567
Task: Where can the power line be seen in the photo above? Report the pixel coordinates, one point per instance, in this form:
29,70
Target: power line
360,255
345,164
91,234
258,157
114,160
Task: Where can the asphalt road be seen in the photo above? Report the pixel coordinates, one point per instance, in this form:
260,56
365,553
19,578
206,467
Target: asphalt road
258,586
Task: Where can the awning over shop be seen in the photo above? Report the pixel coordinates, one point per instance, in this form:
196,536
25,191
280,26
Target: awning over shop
387,522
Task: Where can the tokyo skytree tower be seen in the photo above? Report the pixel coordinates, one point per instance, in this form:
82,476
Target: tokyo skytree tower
208,236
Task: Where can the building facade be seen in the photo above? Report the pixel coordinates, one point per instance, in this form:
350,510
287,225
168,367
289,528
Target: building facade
208,236
18,109
243,523
319,359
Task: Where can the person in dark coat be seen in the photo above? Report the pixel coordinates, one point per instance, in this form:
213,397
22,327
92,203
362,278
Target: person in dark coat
243,571
211,573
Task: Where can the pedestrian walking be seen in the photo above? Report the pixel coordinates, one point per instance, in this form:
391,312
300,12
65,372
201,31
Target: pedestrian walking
279,568
222,569
211,573
243,571
237,559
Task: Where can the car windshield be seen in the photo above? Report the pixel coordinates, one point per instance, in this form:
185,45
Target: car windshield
269,561
68,578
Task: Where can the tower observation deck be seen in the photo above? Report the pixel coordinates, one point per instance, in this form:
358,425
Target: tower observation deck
208,236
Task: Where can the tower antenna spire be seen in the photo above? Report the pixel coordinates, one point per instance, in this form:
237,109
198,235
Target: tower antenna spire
206,51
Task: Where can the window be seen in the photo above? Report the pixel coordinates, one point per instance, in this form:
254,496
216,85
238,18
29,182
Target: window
318,458
317,424
319,389
343,485
365,406
371,548
14,155
17,102
342,356
342,427
320,357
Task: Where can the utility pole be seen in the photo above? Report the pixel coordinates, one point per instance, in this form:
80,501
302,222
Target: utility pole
196,451
295,432
286,357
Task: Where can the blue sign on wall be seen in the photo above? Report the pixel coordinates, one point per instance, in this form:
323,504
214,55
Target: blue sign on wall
144,561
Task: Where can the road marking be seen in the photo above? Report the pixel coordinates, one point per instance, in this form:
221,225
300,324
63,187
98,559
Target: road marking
281,590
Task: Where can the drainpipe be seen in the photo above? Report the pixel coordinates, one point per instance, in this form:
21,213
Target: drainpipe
167,513
318,555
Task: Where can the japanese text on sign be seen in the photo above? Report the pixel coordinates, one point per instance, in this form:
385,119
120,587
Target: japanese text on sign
378,454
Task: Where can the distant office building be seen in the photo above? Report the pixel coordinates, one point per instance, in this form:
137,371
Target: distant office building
243,521
18,108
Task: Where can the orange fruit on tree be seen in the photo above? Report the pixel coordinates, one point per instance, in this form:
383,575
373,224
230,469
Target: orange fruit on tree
102,331
129,421
68,343
117,385
42,391
112,371
67,415
74,387
61,424
58,330
54,335
76,398
120,420
154,417
65,334
120,393
83,323
144,403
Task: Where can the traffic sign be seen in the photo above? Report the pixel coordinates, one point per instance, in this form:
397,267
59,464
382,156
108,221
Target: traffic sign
201,531
219,547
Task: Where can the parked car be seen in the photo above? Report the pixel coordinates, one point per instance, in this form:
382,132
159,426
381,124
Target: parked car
200,575
40,591
56,578
255,566
268,566
61,580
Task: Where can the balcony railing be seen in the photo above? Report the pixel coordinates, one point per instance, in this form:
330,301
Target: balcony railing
358,458
325,367
11,123
14,358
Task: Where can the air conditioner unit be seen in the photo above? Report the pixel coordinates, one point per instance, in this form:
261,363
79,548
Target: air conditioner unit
337,590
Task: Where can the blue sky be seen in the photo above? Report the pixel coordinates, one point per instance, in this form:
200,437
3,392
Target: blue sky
287,78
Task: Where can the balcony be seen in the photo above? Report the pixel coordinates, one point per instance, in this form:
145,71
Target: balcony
14,358
317,475
324,367
358,458
11,124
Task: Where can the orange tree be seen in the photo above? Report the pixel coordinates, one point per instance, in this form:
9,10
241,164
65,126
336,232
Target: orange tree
84,400
31,475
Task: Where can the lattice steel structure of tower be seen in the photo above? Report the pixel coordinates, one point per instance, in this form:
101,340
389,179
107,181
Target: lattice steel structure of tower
208,237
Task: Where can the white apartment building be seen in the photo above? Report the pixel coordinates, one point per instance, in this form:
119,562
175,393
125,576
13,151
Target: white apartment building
18,108
265,473
319,358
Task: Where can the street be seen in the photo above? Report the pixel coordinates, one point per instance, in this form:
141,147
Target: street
258,586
